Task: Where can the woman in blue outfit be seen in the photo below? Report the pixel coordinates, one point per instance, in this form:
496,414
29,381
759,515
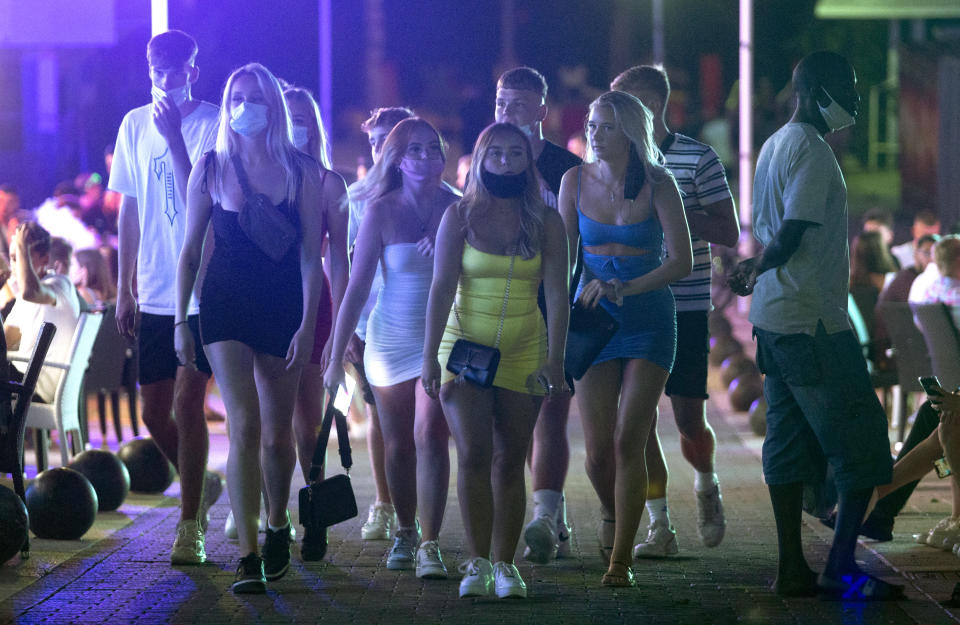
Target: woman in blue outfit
623,206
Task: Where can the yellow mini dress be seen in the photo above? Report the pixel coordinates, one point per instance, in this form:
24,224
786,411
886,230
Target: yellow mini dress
479,300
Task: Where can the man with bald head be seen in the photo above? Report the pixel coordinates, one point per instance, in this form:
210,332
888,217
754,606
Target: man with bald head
821,405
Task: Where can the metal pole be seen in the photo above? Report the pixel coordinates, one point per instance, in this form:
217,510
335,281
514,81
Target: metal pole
658,53
159,17
325,63
746,127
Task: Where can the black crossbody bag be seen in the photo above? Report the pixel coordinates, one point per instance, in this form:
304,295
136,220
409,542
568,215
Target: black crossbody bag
475,362
267,227
330,501
589,332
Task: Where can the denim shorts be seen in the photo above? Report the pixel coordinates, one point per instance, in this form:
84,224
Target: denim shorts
821,407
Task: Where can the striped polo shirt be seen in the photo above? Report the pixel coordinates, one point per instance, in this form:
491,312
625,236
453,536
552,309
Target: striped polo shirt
702,181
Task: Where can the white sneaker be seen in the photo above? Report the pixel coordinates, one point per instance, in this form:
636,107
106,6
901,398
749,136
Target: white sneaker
945,534
381,522
188,546
477,578
508,582
564,533
541,538
429,562
230,527
403,554
661,542
711,524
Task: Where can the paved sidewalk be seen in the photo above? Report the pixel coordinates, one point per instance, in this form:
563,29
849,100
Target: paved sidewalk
120,572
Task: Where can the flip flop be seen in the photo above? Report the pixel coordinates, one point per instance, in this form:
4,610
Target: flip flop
619,575
858,587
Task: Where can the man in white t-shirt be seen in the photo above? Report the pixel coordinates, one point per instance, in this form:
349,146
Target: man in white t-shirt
708,205
821,404
42,296
156,148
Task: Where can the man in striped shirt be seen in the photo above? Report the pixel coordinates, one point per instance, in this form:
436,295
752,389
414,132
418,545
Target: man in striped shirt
712,218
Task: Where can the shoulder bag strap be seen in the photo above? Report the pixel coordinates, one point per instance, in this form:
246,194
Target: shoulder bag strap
242,176
343,441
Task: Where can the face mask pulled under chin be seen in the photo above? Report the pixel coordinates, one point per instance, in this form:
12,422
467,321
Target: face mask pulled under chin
420,170
179,95
248,118
301,136
504,185
835,116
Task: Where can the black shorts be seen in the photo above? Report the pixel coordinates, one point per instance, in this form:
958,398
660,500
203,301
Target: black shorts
689,376
158,359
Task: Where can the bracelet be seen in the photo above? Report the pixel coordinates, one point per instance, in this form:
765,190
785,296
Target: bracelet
179,323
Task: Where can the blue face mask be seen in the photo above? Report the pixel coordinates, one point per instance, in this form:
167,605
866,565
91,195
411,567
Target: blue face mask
248,118
301,136
835,116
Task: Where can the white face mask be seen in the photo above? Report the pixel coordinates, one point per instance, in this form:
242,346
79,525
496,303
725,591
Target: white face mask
301,136
835,116
248,118
527,129
179,95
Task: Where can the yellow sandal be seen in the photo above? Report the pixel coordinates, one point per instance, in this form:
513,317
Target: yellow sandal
619,575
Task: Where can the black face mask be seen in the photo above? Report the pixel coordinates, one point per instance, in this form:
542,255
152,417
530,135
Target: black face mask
504,185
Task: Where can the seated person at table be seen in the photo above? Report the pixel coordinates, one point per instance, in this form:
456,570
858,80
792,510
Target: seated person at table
42,295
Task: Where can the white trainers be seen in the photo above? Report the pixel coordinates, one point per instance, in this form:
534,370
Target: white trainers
507,580
403,554
230,527
541,538
661,542
188,546
945,534
563,540
477,578
381,522
711,524
429,561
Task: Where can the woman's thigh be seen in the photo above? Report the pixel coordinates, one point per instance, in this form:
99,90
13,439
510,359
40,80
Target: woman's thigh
396,407
640,392
515,415
232,364
469,412
277,387
598,395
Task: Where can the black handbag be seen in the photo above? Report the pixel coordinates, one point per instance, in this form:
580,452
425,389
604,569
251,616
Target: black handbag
267,227
330,501
589,332
475,362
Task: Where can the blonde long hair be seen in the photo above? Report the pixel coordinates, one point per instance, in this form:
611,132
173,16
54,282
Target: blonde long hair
321,147
385,176
477,198
636,122
279,138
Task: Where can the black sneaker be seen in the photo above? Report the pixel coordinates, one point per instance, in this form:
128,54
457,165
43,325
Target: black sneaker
276,553
314,545
249,578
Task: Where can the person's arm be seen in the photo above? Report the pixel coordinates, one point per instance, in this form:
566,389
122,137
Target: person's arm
556,268
168,122
783,245
199,203
128,246
447,264
366,256
32,288
311,264
334,190
567,205
716,223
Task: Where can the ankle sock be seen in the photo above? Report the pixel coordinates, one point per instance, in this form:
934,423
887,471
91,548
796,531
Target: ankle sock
658,511
562,512
704,481
546,502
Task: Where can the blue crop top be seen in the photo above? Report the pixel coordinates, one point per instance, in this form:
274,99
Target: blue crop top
646,234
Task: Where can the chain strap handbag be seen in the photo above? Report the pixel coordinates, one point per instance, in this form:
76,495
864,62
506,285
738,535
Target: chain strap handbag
324,503
267,227
473,361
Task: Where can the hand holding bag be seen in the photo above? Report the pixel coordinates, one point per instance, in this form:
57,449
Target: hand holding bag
473,361
260,220
589,332
331,501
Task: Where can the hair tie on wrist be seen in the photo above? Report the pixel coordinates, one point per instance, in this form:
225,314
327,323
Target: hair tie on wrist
179,323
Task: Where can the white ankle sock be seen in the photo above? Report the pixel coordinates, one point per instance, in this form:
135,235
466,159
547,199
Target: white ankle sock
704,481
546,502
562,511
658,510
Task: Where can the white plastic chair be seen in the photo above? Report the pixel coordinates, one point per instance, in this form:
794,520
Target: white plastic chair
63,414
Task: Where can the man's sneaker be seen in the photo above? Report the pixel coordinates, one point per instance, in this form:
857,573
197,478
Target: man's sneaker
541,538
188,546
381,522
945,534
276,553
507,580
477,578
212,489
711,523
661,542
249,578
429,562
314,545
563,540
403,554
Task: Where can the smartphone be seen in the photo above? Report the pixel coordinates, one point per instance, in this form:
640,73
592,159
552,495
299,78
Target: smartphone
931,386
345,394
942,467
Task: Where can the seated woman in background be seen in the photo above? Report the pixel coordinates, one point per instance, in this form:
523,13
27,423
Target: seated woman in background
92,278
870,262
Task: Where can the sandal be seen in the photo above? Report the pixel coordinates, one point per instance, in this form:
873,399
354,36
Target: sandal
605,535
858,587
619,575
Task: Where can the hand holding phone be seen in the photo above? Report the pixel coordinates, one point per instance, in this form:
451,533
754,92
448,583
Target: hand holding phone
931,386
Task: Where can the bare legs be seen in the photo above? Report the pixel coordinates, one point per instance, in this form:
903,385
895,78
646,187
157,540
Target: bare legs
308,415
492,429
